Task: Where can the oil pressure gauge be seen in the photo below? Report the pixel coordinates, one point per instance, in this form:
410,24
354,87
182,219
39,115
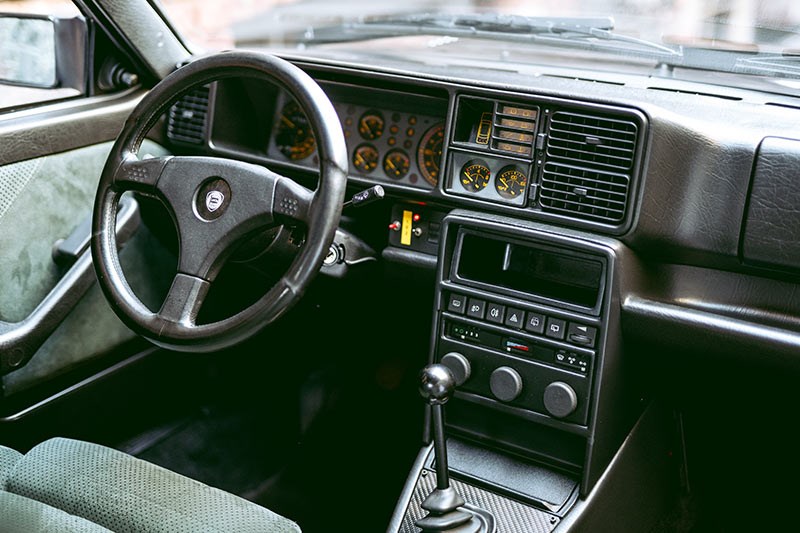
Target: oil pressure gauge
510,181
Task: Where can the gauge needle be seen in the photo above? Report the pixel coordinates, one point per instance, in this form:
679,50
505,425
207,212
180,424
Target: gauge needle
504,182
287,121
391,164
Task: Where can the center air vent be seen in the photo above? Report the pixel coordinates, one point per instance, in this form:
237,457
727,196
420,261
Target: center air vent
186,122
590,163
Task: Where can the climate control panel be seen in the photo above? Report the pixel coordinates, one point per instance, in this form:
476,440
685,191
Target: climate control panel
520,323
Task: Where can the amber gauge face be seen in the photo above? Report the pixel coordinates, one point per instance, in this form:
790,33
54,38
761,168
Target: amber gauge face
475,175
429,154
371,125
396,164
365,158
294,137
510,182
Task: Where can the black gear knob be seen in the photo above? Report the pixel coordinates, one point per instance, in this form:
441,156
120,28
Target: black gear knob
436,384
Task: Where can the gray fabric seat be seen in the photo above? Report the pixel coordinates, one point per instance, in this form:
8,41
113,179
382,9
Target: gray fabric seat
68,485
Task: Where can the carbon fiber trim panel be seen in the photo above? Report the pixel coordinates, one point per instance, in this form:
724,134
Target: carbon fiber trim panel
510,516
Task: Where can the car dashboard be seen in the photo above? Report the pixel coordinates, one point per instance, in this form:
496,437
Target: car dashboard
583,228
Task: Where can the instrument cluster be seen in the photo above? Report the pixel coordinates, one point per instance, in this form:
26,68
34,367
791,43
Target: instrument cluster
395,146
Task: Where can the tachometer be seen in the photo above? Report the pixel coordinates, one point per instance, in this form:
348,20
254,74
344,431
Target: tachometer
429,153
510,181
371,125
365,158
396,164
294,137
475,175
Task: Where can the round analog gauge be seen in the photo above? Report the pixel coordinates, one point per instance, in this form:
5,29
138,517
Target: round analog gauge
475,175
294,137
396,164
429,154
365,158
371,124
510,181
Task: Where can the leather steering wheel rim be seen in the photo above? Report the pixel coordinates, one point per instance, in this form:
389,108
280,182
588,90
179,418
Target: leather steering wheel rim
174,326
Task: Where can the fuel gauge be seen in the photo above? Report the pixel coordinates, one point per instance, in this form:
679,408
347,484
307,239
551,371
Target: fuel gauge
365,158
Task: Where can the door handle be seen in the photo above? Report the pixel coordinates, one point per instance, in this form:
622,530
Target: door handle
19,341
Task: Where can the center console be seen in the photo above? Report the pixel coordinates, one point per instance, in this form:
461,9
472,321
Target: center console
527,321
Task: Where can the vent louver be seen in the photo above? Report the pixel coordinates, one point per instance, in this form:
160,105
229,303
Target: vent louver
186,121
590,161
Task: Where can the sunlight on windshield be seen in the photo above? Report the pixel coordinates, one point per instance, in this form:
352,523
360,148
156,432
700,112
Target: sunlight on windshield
728,24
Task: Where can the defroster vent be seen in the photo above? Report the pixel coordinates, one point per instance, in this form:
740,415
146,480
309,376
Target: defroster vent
589,166
186,122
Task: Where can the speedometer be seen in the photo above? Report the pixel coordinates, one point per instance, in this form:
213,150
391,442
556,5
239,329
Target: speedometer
294,137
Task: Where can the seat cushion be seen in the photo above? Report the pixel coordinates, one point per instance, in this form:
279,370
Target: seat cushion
125,494
19,514
8,458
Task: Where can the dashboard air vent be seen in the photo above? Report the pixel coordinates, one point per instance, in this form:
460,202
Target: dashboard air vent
590,161
186,122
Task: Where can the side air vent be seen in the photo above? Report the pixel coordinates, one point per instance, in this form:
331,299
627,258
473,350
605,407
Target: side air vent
590,162
186,122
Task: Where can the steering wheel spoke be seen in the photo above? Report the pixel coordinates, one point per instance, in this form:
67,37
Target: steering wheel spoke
139,175
184,299
292,201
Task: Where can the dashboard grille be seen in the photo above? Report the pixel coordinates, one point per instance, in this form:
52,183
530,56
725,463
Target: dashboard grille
590,160
186,121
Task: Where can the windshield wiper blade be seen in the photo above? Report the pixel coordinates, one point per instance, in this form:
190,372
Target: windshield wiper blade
585,33
773,65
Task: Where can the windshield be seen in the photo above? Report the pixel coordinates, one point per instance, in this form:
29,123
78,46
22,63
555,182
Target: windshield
745,36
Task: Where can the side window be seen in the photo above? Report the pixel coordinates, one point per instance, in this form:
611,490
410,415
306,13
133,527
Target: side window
43,52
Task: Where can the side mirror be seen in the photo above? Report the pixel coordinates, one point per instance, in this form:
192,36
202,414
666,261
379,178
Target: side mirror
43,52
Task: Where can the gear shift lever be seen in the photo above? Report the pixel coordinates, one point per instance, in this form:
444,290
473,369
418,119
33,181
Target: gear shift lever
437,385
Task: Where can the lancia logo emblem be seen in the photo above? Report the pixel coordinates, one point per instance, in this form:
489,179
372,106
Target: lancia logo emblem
214,200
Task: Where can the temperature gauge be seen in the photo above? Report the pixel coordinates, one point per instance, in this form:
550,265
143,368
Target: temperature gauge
475,175
396,164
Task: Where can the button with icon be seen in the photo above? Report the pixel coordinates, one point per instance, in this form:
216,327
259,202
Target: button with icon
457,303
495,312
476,308
515,318
556,328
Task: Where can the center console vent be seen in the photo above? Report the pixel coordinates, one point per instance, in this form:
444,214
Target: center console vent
186,122
590,162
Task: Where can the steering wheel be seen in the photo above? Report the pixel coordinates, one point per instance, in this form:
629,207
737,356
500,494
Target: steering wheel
216,202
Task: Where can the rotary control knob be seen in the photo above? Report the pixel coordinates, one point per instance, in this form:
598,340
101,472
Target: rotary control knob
505,383
459,366
560,399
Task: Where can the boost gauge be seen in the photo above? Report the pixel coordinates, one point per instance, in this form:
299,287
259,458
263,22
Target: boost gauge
293,136
510,182
371,124
475,175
